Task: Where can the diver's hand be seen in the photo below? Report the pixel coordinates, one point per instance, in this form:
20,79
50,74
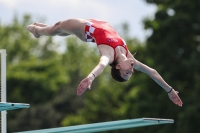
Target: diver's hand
84,85
173,95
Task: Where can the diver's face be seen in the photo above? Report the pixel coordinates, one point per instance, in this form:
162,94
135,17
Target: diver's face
126,68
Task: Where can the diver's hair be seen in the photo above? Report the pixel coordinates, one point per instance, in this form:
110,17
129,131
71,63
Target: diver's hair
115,73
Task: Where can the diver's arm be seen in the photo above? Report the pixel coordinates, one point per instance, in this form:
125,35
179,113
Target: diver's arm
153,74
173,95
104,60
87,82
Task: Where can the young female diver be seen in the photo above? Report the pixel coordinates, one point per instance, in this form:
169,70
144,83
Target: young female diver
112,47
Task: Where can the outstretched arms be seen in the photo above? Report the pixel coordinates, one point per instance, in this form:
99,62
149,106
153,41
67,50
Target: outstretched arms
173,95
87,82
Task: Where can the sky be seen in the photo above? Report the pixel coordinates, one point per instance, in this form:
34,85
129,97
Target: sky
115,12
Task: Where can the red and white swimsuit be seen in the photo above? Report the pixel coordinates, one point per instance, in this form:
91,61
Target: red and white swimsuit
102,33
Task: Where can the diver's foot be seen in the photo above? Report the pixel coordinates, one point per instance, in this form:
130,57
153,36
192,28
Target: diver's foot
32,29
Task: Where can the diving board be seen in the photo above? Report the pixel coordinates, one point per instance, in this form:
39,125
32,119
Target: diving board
11,106
105,126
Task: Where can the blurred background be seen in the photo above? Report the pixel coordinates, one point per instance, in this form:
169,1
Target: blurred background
45,72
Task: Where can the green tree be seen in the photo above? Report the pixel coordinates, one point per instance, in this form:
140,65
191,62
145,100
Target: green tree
174,47
34,70
63,101
41,76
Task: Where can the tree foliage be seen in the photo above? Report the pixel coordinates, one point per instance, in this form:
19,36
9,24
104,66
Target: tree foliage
41,76
174,47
